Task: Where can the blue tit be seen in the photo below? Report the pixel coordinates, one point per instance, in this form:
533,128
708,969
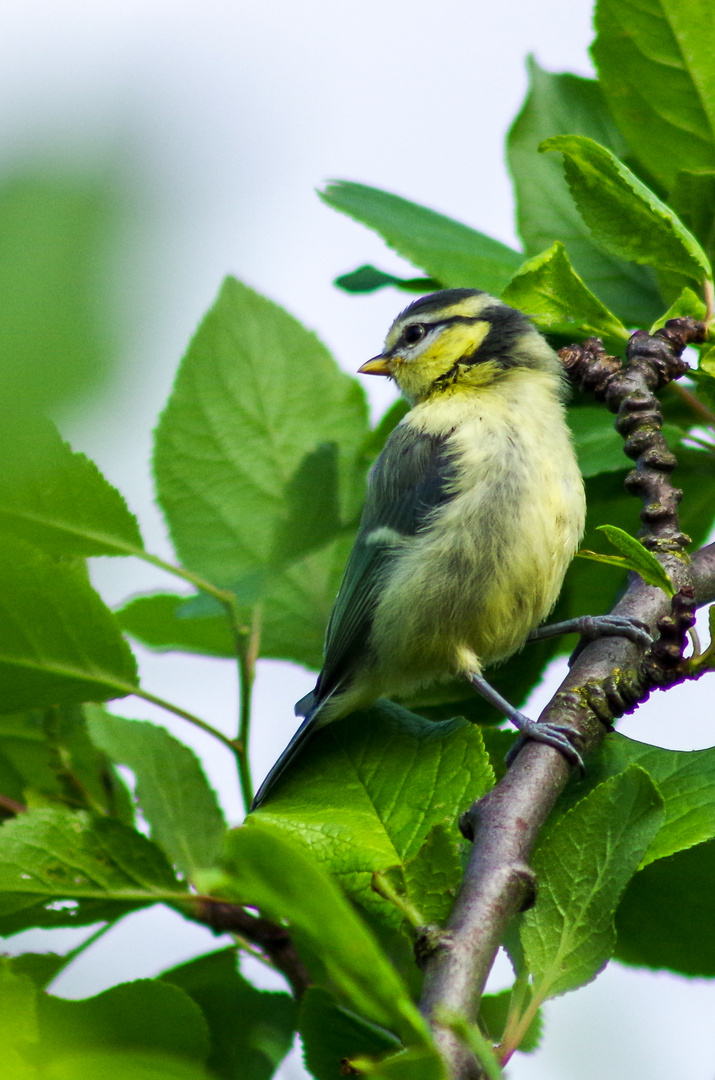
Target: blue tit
474,510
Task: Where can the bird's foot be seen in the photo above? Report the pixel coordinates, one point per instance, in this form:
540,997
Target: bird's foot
595,626
560,736
591,627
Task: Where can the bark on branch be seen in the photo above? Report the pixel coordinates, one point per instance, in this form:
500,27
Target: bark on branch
608,678
271,938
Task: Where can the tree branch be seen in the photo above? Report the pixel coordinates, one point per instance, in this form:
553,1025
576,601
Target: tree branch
272,939
608,678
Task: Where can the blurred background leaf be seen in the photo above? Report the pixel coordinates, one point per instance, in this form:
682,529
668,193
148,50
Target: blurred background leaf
58,237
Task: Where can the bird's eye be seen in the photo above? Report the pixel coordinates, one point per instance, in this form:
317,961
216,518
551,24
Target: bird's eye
414,333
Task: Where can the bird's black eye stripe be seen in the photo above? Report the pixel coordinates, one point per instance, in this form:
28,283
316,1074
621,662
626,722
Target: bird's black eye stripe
413,333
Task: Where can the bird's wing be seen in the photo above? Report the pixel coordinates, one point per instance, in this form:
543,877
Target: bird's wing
412,477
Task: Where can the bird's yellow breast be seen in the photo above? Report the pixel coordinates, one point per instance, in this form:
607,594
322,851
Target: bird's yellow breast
488,567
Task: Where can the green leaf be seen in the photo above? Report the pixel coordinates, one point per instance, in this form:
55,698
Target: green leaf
704,379
693,199
569,105
137,1026
58,243
296,606
623,214
599,448
367,279
448,251
665,917
423,1063
298,602
19,911
27,761
696,475
55,498
241,432
121,1064
379,780
312,501
684,778
18,1023
158,622
591,854
687,304
277,875
432,876
549,290
46,756
58,642
331,1035
41,968
50,855
251,1030
493,1013
634,557
654,60
172,790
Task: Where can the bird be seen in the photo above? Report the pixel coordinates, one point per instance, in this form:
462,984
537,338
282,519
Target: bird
474,509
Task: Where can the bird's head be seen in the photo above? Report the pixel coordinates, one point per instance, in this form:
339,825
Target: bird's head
459,339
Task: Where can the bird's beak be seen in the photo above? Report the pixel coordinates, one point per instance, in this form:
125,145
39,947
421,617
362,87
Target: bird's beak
379,365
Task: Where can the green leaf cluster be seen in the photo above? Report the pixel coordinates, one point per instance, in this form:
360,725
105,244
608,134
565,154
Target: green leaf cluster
261,459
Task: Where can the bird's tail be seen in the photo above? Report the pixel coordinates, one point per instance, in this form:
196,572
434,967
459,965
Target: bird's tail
313,721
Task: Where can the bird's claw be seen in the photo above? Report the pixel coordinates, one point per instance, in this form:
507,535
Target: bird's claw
591,627
559,736
595,626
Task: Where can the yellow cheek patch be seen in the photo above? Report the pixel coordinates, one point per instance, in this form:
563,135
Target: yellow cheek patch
460,340
416,375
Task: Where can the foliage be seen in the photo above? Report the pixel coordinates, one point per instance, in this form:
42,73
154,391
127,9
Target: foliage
615,189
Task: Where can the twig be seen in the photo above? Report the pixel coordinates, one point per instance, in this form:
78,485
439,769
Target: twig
11,805
605,681
271,938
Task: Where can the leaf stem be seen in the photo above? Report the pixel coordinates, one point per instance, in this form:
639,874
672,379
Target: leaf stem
690,438
195,720
694,404
83,945
382,886
516,1007
518,1026
247,673
11,805
224,596
246,655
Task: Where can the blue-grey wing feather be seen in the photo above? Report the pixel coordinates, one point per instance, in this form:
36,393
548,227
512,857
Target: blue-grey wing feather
412,477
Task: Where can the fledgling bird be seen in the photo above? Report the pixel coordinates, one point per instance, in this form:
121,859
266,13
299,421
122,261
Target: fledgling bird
474,510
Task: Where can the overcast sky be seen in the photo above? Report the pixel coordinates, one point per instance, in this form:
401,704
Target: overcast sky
222,119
